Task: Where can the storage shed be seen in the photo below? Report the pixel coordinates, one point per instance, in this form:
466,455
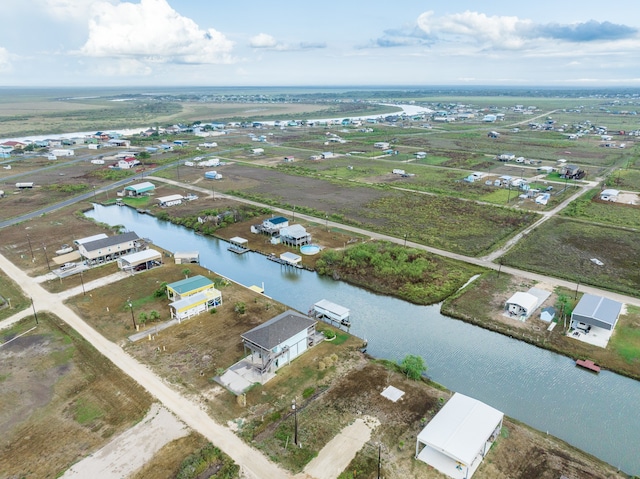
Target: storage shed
186,257
596,311
457,439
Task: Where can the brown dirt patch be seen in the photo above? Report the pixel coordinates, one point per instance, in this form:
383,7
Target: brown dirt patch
59,400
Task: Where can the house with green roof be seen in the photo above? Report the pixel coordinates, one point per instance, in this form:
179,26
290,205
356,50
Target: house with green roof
140,189
188,287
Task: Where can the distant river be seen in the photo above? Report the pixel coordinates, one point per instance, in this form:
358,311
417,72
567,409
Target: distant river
596,413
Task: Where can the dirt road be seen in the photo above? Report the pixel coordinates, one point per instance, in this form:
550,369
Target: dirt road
254,464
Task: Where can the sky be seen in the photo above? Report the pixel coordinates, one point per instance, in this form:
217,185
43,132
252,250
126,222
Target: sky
75,43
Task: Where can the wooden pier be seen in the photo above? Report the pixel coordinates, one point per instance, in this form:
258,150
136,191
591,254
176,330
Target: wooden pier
587,364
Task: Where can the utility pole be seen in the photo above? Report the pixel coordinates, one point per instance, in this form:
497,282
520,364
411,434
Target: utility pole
35,315
30,247
379,459
295,421
405,240
133,319
46,257
84,293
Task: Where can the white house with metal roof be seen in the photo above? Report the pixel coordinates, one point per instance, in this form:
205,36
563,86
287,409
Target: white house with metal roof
458,438
295,235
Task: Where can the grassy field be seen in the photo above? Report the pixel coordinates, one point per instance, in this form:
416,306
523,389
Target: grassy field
12,300
61,399
563,248
590,208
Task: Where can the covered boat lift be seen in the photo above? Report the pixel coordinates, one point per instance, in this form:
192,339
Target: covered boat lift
238,245
325,309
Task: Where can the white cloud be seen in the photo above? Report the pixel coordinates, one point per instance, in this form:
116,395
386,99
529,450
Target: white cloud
75,10
5,60
152,32
263,40
489,31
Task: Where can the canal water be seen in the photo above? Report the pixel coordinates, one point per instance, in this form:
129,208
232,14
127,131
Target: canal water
596,413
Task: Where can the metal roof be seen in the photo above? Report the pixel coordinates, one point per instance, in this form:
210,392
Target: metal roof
141,256
599,308
189,284
110,241
141,187
461,428
89,239
277,220
277,330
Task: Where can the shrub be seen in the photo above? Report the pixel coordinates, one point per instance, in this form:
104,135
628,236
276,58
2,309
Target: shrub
413,366
240,307
308,392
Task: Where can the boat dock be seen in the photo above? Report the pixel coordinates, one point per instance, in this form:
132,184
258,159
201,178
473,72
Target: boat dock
331,313
587,364
286,259
238,245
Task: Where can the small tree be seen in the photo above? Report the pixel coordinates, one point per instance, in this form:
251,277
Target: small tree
413,366
153,315
186,272
240,307
142,317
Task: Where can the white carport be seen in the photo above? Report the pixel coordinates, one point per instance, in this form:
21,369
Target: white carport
521,305
457,439
140,260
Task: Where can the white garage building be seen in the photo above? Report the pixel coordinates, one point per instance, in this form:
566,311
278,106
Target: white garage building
457,439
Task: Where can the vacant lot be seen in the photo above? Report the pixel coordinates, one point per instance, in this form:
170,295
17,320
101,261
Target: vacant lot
60,399
564,248
444,222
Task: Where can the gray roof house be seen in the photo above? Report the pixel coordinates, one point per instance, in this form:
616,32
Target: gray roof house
597,311
280,340
110,248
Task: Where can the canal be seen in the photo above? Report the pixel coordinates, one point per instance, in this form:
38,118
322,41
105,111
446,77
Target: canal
596,413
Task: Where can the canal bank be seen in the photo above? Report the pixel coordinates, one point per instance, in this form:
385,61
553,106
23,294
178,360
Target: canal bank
541,388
